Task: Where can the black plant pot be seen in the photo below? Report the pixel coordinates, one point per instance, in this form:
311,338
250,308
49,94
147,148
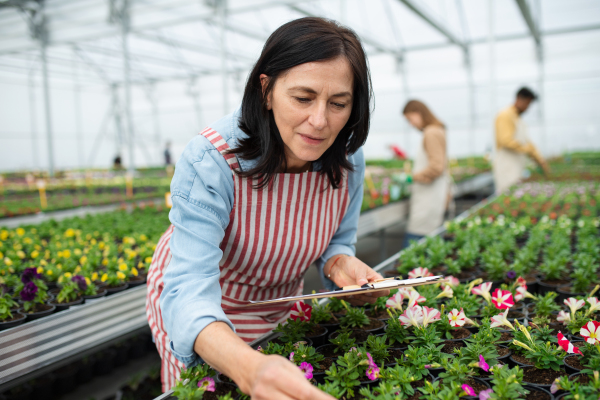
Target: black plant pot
570,370
539,385
112,290
65,379
331,327
85,370
18,319
136,281
505,359
100,293
476,397
65,306
544,288
105,361
320,339
532,388
40,314
325,347
512,362
121,353
137,347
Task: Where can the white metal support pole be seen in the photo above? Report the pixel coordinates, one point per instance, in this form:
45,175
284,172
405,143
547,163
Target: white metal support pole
116,109
492,48
472,111
47,108
541,89
151,92
33,120
78,122
125,18
223,33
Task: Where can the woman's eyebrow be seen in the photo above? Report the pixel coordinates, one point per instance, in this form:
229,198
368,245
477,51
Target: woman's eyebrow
312,91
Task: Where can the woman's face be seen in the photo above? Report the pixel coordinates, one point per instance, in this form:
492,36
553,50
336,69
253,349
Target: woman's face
311,104
415,119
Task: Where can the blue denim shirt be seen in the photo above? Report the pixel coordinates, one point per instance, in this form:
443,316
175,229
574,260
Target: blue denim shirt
202,191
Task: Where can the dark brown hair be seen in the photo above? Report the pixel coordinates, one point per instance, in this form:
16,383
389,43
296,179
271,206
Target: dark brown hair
297,42
419,107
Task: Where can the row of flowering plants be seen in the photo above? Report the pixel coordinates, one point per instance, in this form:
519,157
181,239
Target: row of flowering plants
54,265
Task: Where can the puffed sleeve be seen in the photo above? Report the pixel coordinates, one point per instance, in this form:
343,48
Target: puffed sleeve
202,194
344,238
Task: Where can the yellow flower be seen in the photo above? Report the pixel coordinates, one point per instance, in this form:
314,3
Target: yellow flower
87,281
94,276
83,260
105,261
43,263
27,240
35,254
21,254
148,260
132,255
33,230
67,253
1,255
143,237
121,275
49,272
20,231
77,269
8,261
77,252
104,277
88,236
67,275
93,242
60,279
101,245
4,234
59,266
70,232
40,270
123,267
59,254
134,272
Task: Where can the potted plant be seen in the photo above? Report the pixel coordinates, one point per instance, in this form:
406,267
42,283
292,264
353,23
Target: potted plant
115,281
312,363
356,367
462,374
577,390
9,318
198,382
33,293
71,293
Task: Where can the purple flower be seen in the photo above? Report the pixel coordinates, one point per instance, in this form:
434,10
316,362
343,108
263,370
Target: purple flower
292,356
468,390
29,291
511,274
30,274
307,369
80,281
208,384
482,364
485,394
554,388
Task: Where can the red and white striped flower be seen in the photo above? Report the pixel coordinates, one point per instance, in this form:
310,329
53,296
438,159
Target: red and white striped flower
414,298
483,290
522,293
430,315
301,311
452,281
419,272
446,292
591,332
566,345
574,304
501,320
563,317
502,299
522,282
395,301
412,316
594,305
457,318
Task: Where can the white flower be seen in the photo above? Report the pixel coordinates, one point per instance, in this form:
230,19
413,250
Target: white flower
430,315
594,305
456,318
415,298
563,317
395,301
501,320
412,316
574,304
447,292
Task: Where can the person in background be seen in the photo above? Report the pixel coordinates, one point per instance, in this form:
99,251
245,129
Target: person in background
512,143
117,164
167,153
431,180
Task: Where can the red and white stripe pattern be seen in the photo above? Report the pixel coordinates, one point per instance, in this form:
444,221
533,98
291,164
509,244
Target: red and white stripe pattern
274,235
566,345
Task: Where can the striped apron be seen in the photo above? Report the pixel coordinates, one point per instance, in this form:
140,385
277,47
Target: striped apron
274,234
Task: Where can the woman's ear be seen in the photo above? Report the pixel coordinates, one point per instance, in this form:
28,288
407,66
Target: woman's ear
264,82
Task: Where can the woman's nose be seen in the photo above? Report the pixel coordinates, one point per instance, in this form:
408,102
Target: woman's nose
318,117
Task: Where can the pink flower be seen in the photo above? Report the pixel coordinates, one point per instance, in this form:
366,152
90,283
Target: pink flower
554,388
482,364
208,384
372,372
412,316
307,369
292,356
414,298
483,290
452,281
485,394
501,320
430,315
301,311
522,292
574,304
456,318
563,317
566,345
419,272
522,282
502,299
591,332
395,301
371,362
594,305
468,390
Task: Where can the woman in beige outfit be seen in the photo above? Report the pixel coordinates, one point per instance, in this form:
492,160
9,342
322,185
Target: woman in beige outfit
431,179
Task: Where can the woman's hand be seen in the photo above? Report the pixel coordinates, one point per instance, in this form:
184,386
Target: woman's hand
275,378
351,271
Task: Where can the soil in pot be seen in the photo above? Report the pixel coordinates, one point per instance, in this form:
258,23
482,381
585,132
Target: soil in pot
537,393
416,385
506,336
515,314
65,306
39,311
502,351
328,350
477,385
449,346
486,376
116,289
460,333
318,335
581,378
221,389
574,363
379,314
521,360
393,354
541,377
17,319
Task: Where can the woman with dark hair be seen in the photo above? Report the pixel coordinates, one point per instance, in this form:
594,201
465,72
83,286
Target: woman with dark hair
431,187
258,197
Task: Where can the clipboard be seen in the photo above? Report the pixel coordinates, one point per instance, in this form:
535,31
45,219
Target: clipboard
382,284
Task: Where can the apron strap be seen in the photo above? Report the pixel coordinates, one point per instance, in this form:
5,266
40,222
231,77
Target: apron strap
222,146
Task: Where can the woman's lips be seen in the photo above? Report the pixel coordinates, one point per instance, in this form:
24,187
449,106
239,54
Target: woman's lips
310,139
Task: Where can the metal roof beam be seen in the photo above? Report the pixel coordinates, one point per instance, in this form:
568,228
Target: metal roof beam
533,28
437,25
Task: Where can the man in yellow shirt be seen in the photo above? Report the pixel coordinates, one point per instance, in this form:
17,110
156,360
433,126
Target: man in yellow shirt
512,143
